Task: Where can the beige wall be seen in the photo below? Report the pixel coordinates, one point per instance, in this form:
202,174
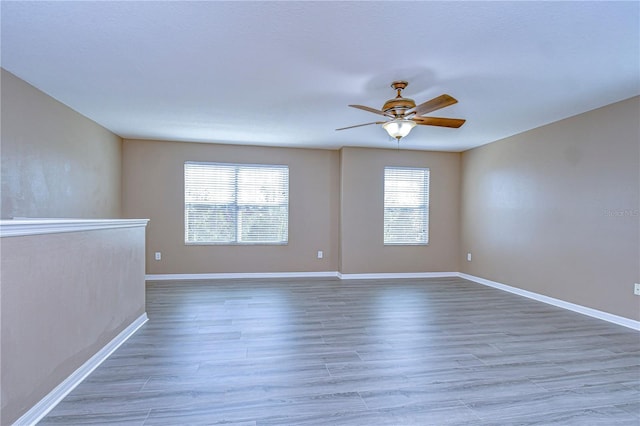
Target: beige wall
64,297
555,210
362,214
153,174
55,162
329,190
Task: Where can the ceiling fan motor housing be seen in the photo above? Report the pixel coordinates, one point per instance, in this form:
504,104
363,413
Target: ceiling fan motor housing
398,105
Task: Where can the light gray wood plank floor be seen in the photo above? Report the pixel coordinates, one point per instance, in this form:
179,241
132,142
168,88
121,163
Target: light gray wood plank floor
364,352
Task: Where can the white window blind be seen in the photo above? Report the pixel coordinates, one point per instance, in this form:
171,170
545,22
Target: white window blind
236,203
406,206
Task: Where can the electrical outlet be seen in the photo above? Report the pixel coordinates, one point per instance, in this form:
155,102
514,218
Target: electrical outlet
636,289
468,257
158,255
320,254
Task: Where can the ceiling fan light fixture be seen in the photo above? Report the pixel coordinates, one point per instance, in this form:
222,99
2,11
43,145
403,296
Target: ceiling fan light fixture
399,128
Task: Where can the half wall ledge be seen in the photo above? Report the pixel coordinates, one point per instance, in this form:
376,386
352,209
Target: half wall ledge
18,227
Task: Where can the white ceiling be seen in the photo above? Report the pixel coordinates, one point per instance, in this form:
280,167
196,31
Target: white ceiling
283,73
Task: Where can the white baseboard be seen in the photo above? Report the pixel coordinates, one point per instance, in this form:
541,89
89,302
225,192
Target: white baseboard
46,404
391,275
323,274
242,275
626,322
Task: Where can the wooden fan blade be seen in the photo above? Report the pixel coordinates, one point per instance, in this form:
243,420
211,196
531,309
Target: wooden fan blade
373,110
432,105
439,121
360,125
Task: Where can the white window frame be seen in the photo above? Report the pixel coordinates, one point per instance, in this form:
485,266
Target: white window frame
234,208
401,202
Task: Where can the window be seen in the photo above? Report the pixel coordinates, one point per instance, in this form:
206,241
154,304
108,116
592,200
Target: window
235,203
406,206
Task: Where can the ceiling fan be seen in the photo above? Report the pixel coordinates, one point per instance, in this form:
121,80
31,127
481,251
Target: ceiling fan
404,115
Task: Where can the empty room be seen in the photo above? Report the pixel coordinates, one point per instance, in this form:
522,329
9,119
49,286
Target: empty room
320,213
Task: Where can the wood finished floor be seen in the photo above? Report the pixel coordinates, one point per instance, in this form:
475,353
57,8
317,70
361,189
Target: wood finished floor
365,352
